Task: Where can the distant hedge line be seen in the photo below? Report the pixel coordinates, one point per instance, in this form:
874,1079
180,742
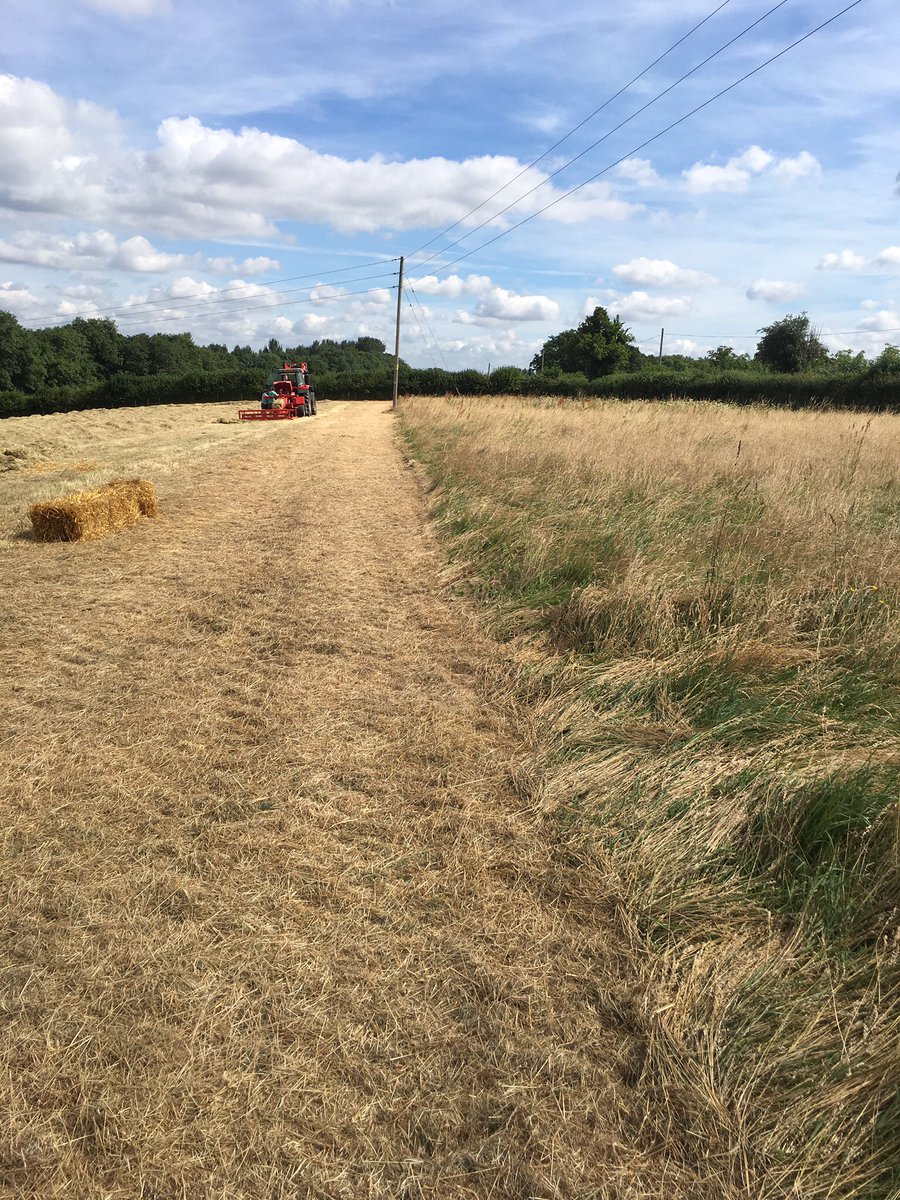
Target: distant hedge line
864,393
128,390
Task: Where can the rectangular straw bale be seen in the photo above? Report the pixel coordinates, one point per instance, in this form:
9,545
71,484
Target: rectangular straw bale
92,514
144,493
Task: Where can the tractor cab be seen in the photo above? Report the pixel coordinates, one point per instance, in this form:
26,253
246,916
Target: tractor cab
297,374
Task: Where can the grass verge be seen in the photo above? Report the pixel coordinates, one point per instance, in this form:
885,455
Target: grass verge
706,603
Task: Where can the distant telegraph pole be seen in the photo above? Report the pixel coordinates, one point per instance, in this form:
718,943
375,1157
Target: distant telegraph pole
397,339
662,338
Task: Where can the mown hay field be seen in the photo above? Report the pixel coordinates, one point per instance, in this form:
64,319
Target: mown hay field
46,457
276,924
705,599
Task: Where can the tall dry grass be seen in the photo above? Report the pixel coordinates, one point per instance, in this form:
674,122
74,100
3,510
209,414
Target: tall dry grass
706,600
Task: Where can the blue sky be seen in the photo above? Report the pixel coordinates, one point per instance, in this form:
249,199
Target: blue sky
167,162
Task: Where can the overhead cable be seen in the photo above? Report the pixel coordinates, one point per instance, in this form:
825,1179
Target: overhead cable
258,307
428,323
615,129
655,137
425,340
130,309
574,129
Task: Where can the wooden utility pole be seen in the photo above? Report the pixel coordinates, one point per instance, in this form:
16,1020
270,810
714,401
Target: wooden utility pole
662,336
397,340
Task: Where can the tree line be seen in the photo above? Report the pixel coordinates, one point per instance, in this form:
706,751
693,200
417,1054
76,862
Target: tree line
602,345
89,363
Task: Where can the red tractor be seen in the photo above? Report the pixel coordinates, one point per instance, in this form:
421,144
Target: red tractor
289,395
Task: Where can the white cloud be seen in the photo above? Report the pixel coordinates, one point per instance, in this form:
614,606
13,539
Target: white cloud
846,260
546,122
775,291
889,257
17,299
187,287
660,272
683,346
72,159
379,297
250,266
754,159
702,177
312,323
637,305
453,286
880,322
131,8
792,169
326,291
638,170
871,335
73,308
494,303
498,347
594,202
101,250
736,174
136,254
499,304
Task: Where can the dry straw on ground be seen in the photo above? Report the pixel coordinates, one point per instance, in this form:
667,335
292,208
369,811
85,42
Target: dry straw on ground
277,927
43,457
93,514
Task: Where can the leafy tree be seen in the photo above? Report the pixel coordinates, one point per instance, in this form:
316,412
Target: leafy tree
600,345
887,363
507,379
790,345
366,354
136,354
845,362
173,354
21,367
245,355
66,357
104,343
728,359
675,362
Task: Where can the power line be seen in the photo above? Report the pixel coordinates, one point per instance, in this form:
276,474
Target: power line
706,103
229,312
425,340
609,133
574,129
134,309
430,330
213,297
733,337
